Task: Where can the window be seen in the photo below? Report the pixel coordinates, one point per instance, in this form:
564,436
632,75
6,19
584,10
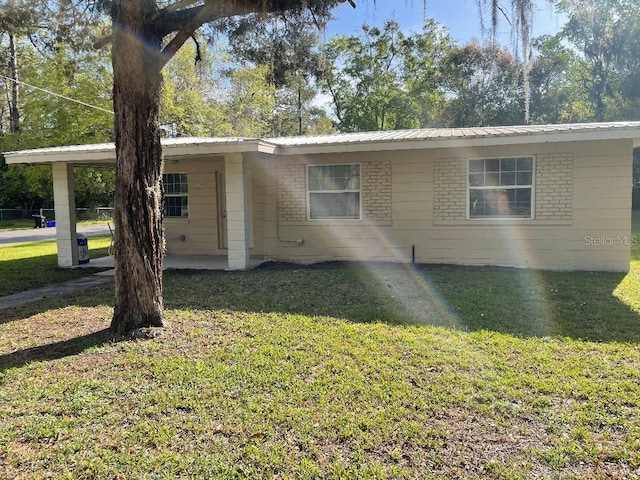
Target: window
501,188
334,191
176,198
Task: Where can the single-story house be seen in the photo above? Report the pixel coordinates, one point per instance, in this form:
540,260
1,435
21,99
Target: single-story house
549,196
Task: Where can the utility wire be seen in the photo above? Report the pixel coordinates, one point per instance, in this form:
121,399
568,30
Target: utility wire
56,94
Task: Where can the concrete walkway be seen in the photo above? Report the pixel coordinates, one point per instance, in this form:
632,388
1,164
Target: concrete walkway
84,283
190,262
182,262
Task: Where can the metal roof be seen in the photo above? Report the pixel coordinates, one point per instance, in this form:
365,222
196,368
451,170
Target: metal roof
349,142
454,133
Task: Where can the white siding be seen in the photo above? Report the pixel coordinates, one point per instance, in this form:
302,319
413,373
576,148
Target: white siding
601,200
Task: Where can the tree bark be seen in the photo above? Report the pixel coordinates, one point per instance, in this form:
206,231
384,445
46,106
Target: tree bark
139,243
138,56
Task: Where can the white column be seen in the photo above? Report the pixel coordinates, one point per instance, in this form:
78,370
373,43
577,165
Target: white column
65,207
237,212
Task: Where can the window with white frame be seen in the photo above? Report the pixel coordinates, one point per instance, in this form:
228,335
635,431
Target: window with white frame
176,195
334,191
501,187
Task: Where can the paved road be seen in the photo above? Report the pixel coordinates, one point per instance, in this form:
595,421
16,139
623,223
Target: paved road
39,234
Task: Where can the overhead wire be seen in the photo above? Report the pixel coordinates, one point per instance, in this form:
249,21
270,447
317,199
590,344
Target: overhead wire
56,94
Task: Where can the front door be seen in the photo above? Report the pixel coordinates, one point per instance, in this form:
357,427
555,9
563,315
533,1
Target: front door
221,197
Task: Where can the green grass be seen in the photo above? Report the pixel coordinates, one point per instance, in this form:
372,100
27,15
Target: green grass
340,371
327,372
16,224
24,266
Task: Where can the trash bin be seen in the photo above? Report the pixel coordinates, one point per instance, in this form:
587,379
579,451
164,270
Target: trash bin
83,249
39,221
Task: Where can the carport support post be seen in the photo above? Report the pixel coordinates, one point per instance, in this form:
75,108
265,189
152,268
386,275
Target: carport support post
65,208
237,212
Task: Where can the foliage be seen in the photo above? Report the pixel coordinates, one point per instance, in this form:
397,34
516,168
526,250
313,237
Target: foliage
483,86
605,33
557,95
287,54
382,78
94,186
50,120
251,102
385,79
288,49
27,187
190,100
636,167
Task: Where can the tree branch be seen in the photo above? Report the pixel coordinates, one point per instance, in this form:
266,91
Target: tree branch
103,42
186,21
174,7
174,18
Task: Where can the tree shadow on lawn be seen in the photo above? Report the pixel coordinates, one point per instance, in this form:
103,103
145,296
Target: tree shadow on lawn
56,350
526,303
88,297
60,315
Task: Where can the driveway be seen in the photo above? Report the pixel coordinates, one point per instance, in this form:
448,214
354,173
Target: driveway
39,234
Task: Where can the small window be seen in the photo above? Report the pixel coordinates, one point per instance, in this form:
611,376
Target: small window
176,195
501,187
334,191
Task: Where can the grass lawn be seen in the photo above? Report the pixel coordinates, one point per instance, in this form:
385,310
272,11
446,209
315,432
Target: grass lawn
16,224
334,372
24,266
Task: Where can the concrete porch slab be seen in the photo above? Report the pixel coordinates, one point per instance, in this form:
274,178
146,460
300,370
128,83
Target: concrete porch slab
180,262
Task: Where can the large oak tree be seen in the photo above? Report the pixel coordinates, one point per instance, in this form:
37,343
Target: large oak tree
146,35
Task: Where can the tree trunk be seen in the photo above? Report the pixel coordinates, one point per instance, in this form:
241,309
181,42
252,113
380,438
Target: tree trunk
14,110
139,243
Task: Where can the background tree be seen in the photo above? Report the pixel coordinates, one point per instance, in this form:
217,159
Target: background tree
48,119
606,34
557,91
28,188
190,98
287,54
251,102
483,85
384,79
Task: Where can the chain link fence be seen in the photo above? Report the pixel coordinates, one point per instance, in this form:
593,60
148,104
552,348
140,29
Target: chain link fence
13,214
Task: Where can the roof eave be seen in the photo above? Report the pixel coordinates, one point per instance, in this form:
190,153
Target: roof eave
105,154
465,142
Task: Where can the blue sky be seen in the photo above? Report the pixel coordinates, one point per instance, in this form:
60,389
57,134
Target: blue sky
461,17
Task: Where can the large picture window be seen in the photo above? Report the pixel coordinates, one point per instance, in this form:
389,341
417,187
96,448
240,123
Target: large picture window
176,195
334,191
501,187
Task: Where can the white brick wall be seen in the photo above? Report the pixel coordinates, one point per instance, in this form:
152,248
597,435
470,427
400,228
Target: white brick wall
292,197
554,187
376,191
449,190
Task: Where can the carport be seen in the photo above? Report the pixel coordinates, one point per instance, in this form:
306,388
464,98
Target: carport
233,150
